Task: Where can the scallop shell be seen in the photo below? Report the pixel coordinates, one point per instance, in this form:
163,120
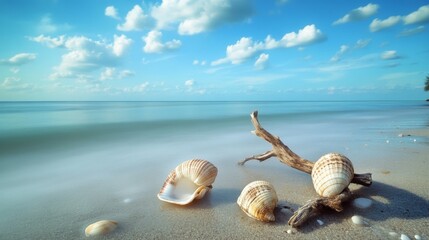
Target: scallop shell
102,227
188,181
258,200
331,174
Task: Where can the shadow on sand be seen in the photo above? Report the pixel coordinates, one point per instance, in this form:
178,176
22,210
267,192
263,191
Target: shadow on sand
392,202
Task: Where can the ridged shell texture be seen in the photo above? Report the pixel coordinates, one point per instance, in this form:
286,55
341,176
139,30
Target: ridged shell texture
258,200
201,172
188,181
331,174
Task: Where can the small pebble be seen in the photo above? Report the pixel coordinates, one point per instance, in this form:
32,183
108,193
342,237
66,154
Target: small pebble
358,220
404,237
417,237
320,222
289,231
362,203
393,234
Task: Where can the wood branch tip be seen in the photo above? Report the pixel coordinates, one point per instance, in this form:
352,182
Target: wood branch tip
254,114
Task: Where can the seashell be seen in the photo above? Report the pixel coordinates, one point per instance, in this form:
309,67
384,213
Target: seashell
331,174
102,227
190,180
258,200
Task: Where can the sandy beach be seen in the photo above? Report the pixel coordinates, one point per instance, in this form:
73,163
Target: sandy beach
77,186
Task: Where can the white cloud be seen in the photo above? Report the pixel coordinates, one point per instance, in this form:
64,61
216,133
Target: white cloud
197,62
378,25
125,74
111,11
340,53
190,87
137,89
246,48
308,35
15,84
85,55
358,14
51,42
189,83
46,25
390,55
111,73
262,62
154,43
412,31
107,74
19,59
194,16
242,50
419,16
120,44
135,20
361,43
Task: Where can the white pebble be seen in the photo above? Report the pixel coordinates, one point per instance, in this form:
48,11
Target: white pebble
289,231
320,222
417,237
358,220
404,237
362,203
393,234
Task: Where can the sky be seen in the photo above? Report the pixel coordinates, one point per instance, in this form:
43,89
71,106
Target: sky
213,50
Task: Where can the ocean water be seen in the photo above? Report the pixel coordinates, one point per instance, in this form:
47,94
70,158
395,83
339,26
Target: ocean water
66,161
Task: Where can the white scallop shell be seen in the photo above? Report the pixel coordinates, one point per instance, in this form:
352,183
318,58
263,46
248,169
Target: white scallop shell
331,174
188,181
258,200
102,227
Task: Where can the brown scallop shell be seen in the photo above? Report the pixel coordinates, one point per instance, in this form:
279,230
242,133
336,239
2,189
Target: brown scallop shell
258,200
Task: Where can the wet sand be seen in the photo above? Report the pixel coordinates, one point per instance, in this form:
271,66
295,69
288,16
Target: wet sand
59,205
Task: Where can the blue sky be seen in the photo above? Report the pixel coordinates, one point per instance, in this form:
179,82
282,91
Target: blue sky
213,50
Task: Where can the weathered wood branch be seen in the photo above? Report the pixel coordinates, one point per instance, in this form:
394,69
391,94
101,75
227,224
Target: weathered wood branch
313,207
287,156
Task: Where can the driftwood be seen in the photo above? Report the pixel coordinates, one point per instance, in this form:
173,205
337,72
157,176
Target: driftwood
287,156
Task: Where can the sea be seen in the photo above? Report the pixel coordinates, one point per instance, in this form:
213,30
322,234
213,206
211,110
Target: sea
62,160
